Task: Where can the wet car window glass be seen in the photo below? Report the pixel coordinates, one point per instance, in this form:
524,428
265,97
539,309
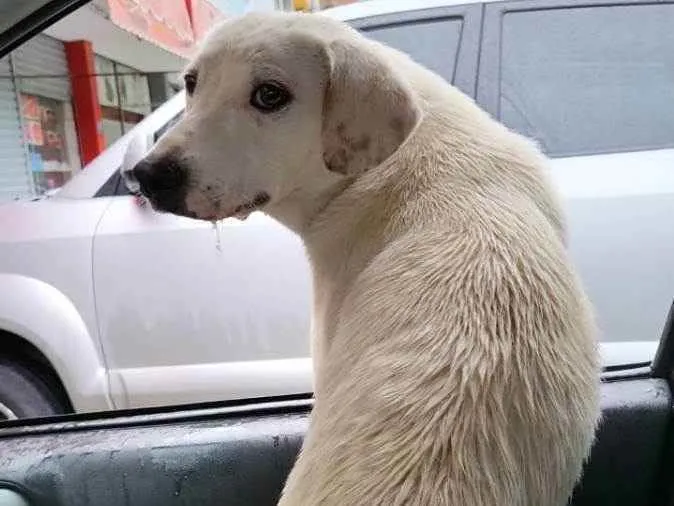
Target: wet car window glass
597,80
136,309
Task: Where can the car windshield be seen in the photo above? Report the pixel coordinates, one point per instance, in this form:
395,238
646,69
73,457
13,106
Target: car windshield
106,303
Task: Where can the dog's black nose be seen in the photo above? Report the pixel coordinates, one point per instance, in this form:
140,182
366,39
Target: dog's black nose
163,181
141,172
147,175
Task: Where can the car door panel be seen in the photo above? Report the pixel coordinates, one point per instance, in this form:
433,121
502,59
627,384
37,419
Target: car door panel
628,453
241,452
189,312
623,250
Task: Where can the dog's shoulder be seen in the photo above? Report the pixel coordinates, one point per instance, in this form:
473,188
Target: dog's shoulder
429,273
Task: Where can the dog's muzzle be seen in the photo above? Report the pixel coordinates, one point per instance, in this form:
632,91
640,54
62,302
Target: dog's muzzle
163,182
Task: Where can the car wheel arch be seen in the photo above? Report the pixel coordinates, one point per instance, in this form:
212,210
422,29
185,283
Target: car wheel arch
15,348
44,317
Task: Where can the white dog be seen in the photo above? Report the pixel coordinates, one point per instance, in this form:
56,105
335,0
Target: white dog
455,361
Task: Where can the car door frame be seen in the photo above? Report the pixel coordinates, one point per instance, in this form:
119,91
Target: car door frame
488,89
467,56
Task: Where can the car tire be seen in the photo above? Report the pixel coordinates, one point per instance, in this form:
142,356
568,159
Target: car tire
23,394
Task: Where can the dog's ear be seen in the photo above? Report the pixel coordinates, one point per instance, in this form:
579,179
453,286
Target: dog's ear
368,111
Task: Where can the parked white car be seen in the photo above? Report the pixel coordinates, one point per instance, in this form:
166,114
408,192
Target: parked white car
106,304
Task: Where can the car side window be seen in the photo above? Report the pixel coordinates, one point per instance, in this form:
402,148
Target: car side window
434,42
590,80
109,188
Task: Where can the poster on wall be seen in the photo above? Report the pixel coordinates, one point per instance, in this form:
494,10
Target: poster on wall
32,124
44,135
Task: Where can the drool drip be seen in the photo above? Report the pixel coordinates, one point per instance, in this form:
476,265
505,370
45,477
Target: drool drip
218,243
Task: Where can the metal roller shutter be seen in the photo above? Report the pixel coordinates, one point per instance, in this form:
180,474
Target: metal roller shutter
39,68
44,57
14,177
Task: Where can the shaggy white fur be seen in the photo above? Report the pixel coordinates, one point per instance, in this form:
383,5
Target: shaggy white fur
454,348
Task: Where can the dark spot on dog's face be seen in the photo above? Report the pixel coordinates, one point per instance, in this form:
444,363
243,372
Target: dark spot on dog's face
339,161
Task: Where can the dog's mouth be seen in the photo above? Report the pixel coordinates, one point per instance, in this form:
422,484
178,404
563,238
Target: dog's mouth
260,200
241,212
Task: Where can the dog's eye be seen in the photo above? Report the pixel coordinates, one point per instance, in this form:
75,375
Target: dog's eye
270,97
190,83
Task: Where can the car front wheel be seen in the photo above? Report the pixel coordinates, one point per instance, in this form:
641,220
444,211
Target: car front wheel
23,394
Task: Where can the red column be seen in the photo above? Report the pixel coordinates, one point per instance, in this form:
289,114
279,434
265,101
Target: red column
87,108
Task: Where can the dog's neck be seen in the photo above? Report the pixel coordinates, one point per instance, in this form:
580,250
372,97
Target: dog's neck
301,208
343,226
332,223
347,232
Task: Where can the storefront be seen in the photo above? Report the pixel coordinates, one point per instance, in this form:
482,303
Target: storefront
48,128
38,137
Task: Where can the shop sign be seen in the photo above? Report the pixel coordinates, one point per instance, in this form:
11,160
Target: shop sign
164,23
204,15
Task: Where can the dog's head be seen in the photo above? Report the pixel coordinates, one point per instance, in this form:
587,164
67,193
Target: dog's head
280,107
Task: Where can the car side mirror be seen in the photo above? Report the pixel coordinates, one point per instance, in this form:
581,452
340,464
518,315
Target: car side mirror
136,150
